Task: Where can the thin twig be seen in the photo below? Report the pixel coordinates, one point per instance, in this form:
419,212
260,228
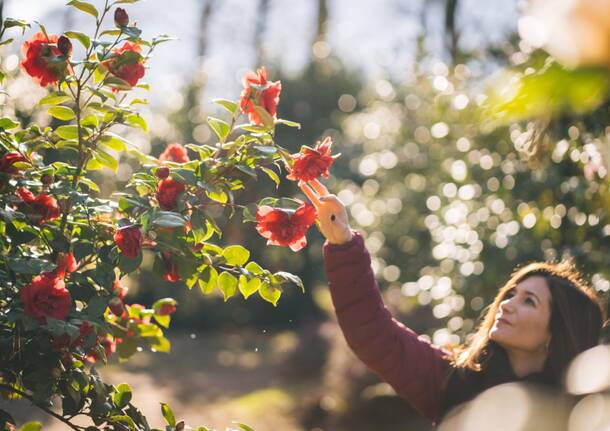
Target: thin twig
43,408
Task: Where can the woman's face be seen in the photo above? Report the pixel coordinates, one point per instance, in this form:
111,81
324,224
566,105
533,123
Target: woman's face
522,320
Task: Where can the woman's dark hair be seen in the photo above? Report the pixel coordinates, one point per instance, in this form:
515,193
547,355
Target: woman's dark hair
576,321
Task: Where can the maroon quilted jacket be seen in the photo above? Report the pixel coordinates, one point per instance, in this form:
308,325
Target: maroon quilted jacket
413,367
418,371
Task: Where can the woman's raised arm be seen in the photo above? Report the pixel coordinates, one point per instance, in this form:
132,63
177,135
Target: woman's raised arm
412,366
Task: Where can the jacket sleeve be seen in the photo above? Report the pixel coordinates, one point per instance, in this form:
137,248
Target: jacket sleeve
412,366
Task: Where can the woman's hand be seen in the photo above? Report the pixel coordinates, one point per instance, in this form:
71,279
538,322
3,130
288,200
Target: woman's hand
331,212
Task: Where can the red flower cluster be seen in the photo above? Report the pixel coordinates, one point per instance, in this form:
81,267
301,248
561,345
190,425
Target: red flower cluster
119,289
126,63
109,345
66,263
171,269
174,153
41,208
44,61
46,296
129,241
311,163
285,227
258,92
8,160
63,343
168,192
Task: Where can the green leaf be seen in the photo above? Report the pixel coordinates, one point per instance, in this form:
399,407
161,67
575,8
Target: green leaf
287,276
81,37
31,426
90,183
122,396
11,22
84,6
271,174
106,160
90,120
254,268
30,266
221,128
236,255
551,90
62,113
116,82
219,196
208,279
168,414
288,123
161,344
125,420
265,116
270,293
137,121
113,141
54,99
7,124
248,287
232,107
244,427
67,132
228,284
169,219
163,320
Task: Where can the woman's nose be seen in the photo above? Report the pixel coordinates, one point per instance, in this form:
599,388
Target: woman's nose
507,305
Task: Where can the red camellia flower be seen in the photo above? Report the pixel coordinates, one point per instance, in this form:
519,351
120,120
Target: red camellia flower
168,191
259,92
41,208
129,240
109,345
8,160
43,60
171,269
121,18
119,289
174,153
66,263
46,296
285,227
126,63
311,163
166,309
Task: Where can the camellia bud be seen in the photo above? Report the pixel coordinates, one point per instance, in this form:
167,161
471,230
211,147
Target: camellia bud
163,172
121,19
64,45
116,306
47,179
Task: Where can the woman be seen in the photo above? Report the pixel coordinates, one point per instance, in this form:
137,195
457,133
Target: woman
539,321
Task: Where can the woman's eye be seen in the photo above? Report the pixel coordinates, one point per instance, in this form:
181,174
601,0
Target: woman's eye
530,301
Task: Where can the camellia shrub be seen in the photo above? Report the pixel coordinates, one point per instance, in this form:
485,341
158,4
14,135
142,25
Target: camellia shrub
65,248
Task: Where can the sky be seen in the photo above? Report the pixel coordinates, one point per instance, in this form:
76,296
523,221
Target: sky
377,38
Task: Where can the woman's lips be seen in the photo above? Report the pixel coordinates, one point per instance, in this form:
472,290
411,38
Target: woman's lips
503,320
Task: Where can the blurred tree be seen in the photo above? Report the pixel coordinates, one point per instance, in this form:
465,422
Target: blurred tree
261,23
451,31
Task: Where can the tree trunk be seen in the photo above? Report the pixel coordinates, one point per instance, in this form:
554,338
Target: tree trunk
202,34
322,24
261,24
451,32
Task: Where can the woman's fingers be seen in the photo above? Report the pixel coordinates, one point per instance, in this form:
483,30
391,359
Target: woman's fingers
311,195
319,187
